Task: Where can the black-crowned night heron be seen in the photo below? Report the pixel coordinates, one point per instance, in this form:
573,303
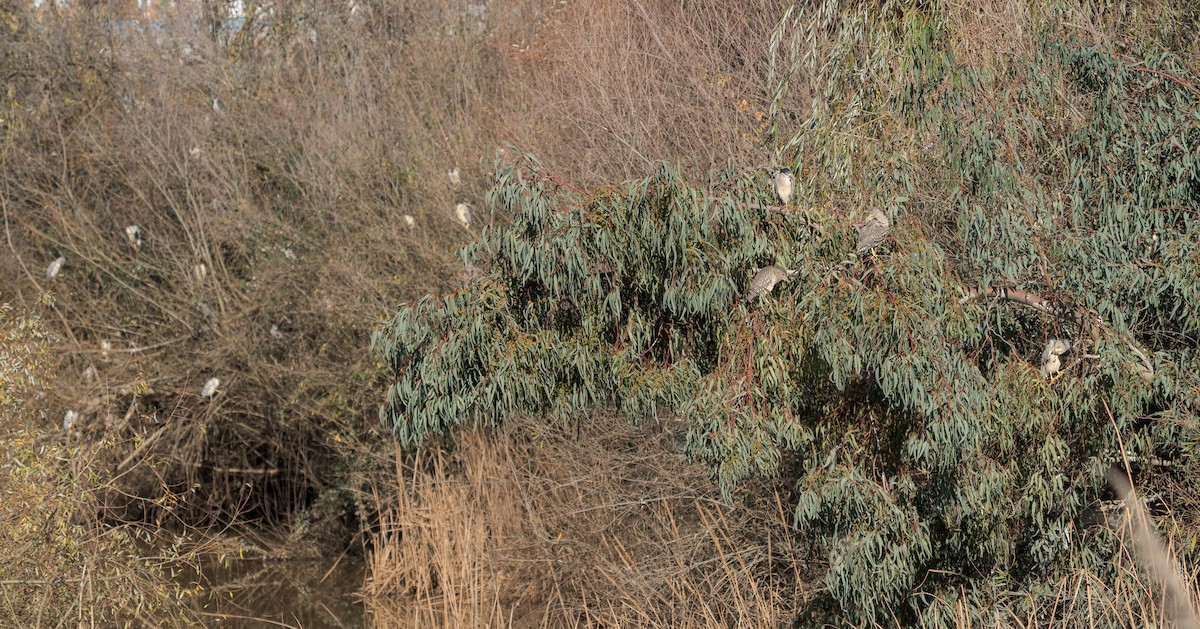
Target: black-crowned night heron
1051,364
56,266
200,271
210,389
206,309
276,333
133,234
89,373
765,279
872,231
462,213
218,107
784,181
69,420
409,221
455,176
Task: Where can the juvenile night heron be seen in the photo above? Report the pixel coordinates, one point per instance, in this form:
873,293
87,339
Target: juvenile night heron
56,266
1051,364
210,389
206,309
784,180
872,232
765,279
133,234
462,213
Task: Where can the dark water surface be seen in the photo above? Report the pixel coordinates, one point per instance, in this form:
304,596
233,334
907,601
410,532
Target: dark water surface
312,594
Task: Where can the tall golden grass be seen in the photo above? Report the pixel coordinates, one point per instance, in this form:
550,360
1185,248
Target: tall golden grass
541,525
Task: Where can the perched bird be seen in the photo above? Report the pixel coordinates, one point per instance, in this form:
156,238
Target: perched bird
200,271
69,420
188,56
206,309
133,234
462,213
872,231
680,439
409,221
89,374
783,184
1050,361
276,333
218,107
105,348
455,176
55,267
766,278
210,389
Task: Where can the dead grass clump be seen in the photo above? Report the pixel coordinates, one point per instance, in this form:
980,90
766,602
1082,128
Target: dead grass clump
539,525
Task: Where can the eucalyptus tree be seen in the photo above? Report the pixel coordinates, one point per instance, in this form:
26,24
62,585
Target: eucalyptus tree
940,472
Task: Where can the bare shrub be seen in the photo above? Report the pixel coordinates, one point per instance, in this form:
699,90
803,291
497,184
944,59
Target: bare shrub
57,564
270,179
609,89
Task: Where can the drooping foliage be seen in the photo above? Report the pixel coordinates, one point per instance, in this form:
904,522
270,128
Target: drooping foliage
939,470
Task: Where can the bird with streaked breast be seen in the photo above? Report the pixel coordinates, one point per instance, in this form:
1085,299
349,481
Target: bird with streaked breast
765,279
872,232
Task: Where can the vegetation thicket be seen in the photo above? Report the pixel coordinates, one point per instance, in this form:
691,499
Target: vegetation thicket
1051,195
879,444
56,559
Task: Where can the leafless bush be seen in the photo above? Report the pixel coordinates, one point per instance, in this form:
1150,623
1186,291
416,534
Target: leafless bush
269,180
607,90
